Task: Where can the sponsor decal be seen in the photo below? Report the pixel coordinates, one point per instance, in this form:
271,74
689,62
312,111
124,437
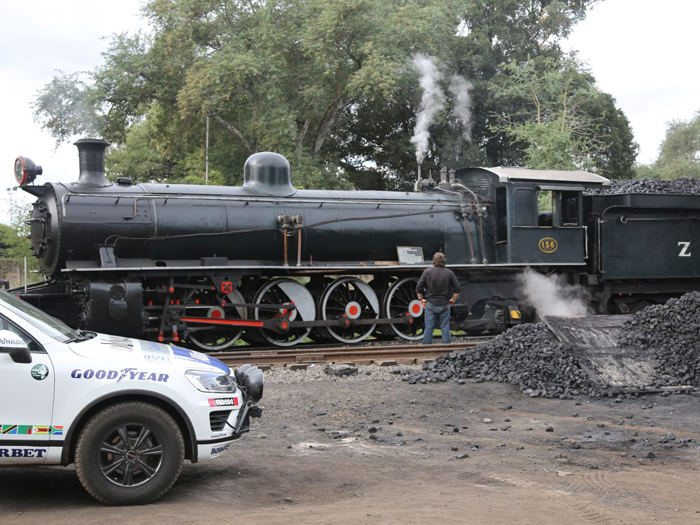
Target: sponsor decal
219,435
118,343
154,348
159,359
224,402
547,245
192,355
40,372
219,450
11,342
25,430
132,374
22,452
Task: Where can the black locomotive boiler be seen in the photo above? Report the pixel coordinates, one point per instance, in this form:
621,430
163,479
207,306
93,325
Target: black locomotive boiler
207,265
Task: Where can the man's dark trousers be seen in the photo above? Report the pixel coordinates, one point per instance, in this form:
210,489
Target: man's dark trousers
437,316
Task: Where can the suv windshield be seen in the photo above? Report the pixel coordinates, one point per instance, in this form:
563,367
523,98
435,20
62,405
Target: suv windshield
47,324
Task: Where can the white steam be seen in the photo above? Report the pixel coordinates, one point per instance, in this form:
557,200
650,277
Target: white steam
431,102
550,295
459,89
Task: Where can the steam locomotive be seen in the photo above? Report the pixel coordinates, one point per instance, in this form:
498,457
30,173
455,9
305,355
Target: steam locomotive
205,266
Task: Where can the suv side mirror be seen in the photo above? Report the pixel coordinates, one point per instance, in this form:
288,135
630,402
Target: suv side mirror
11,343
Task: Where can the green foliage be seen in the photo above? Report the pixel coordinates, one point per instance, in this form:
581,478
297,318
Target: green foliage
562,120
67,106
680,151
329,84
14,244
140,157
646,171
679,154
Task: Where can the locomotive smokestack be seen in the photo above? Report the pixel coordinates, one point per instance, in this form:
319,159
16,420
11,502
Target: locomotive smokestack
92,161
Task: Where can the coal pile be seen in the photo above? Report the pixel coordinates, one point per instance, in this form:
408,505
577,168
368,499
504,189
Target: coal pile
527,355
685,186
672,332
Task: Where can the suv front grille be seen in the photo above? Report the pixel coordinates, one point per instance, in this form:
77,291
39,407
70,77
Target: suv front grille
218,419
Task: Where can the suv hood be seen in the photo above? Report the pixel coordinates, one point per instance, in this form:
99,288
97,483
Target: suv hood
112,347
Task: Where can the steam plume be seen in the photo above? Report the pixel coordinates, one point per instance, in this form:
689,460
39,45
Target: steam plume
549,295
432,102
459,88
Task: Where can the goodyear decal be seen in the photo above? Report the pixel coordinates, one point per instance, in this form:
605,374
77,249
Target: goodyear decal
25,430
133,374
547,245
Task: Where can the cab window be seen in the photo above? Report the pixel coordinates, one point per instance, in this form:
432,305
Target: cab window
570,208
546,205
558,208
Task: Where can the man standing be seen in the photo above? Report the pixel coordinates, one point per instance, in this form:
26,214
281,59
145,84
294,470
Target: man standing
438,289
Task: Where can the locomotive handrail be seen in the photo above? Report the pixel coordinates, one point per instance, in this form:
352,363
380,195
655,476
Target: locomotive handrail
394,216
275,200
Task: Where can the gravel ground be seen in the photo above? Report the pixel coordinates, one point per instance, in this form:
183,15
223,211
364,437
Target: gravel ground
415,445
372,449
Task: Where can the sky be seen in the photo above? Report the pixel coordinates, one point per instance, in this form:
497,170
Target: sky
640,51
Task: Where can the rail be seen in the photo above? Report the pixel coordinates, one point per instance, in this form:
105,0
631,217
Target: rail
365,355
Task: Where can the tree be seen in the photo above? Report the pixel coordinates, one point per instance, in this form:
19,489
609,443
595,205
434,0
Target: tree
327,83
680,150
14,243
563,121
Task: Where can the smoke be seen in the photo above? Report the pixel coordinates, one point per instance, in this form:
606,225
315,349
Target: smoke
459,89
431,102
550,295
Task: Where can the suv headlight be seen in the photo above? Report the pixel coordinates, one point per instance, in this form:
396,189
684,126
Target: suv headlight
206,381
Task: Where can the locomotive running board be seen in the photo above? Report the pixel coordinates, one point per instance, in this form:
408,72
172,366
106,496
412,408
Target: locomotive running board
611,366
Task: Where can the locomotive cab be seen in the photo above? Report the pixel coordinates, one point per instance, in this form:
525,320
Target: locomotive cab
538,214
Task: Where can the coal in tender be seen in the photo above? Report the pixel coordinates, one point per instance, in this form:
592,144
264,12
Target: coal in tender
672,332
683,186
527,355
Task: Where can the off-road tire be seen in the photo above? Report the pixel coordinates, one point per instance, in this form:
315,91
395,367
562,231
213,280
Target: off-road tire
129,454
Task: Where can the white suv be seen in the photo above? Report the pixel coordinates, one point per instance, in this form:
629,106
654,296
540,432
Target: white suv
126,412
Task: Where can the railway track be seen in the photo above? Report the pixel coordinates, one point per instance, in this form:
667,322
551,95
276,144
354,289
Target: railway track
365,355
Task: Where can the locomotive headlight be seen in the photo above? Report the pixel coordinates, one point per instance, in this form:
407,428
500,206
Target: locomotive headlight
206,381
26,171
